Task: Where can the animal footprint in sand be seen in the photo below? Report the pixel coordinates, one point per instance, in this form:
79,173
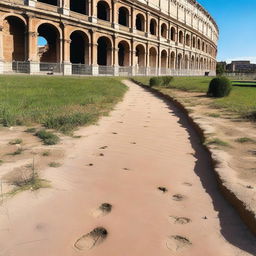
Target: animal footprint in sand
177,243
103,210
179,220
104,147
163,189
91,239
178,197
187,184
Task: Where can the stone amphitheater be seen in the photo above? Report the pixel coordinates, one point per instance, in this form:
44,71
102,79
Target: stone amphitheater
108,37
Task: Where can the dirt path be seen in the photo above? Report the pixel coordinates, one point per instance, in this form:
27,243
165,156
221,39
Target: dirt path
144,144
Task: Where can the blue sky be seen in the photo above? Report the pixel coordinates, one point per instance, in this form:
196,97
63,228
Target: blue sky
237,23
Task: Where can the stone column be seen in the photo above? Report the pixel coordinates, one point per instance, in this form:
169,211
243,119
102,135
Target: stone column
1,50
115,56
31,3
93,11
32,46
147,25
132,58
94,50
67,65
64,6
115,15
132,21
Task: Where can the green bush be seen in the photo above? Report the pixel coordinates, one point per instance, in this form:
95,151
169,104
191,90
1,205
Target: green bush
219,87
47,137
167,80
155,81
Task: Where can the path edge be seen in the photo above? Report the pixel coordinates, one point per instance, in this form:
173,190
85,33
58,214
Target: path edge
219,165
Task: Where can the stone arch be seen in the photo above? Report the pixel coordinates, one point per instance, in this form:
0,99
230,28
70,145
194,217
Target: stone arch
172,60
123,53
52,35
152,57
181,37
192,63
140,22
140,55
153,27
163,59
201,63
123,16
179,61
173,34
104,51
14,43
187,40
79,6
3,17
164,30
51,2
103,10
79,47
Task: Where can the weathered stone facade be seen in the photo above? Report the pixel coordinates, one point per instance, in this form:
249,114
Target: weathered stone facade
162,34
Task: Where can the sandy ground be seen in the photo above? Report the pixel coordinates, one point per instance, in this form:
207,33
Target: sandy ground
144,144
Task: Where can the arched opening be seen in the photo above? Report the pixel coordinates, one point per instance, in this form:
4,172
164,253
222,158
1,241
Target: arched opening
181,37
173,32
50,34
194,42
198,44
140,22
152,26
103,11
203,45
192,64
52,2
140,55
187,40
164,59
104,57
201,64
79,48
204,66
197,64
152,57
123,53
14,39
186,63
80,6
179,63
123,16
172,60
164,30
206,48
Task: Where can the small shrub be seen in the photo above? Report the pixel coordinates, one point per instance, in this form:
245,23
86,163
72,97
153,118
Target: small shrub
17,152
46,153
54,164
1,161
31,130
15,142
219,87
218,142
245,140
155,81
47,137
167,80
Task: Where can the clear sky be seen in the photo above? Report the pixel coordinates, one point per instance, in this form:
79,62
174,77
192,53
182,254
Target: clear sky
237,24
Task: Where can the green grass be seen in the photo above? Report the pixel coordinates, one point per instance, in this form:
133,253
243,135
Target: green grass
54,164
245,140
46,153
15,142
16,152
214,115
30,130
62,103
48,138
217,142
242,100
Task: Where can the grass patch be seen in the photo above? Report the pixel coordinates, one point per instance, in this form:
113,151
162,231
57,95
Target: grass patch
217,142
245,140
48,137
61,103
46,153
30,130
54,165
1,162
214,115
15,142
16,152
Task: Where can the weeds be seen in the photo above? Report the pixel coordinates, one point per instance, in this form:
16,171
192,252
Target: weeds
46,153
54,165
48,137
245,140
17,152
217,142
15,142
30,130
214,115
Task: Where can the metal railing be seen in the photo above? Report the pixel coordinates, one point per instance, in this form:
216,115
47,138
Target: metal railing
44,68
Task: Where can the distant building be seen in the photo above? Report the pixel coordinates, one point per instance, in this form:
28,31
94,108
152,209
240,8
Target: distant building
241,66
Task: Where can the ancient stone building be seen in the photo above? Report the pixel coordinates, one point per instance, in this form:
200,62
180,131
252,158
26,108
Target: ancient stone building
107,36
